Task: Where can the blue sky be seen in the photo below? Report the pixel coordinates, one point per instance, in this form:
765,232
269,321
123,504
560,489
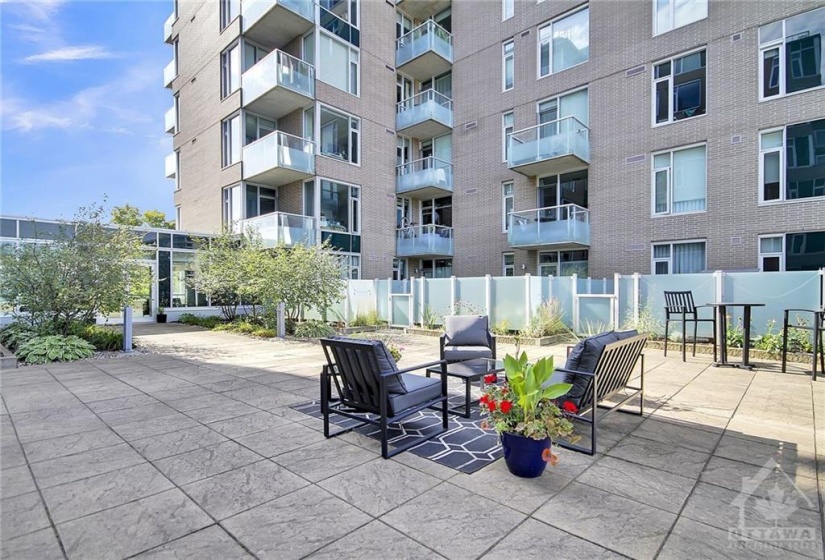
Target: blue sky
83,105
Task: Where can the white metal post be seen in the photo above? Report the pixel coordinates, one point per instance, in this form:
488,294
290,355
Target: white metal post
636,282
616,307
389,301
422,304
282,320
528,309
719,289
822,288
453,288
575,297
488,296
346,302
127,328
375,294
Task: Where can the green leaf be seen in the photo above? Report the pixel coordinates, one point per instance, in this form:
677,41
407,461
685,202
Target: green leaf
556,390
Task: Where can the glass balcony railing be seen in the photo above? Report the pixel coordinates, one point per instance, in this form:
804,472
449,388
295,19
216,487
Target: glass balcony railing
171,165
429,108
567,225
279,158
424,175
167,27
429,37
566,140
339,27
170,120
170,73
275,71
280,228
419,241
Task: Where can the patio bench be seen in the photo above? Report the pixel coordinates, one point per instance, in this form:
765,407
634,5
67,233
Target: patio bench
599,368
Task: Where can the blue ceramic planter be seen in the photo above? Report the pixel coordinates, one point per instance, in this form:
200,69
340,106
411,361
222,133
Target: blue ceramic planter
523,455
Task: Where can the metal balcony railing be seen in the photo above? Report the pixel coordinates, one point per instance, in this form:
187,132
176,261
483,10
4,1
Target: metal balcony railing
170,120
429,36
425,173
281,228
279,151
424,240
167,27
278,69
427,105
567,225
170,73
559,138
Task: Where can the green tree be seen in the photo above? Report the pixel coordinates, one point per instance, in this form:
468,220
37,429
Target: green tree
84,270
126,215
157,219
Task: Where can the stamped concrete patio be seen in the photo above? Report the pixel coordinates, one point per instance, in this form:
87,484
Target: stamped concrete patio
193,452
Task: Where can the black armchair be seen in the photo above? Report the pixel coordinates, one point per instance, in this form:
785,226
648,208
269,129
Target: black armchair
679,307
467,337
817,325
373,390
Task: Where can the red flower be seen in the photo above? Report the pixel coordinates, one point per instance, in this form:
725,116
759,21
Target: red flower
483,399
492,378
506,406
569,406
491,405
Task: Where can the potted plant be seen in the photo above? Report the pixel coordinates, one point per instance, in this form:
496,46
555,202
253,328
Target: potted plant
161,315
524,413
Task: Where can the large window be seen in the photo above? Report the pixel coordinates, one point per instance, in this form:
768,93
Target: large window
670,14
232,205
559,190
507,9
679,181
680,88
437,211
438,268
507,205
257,127
792,251
563,263
230,9
507,127
340,207
791,53
231,140
564,42
260,201
231,69
338,63
252,54
508,264
679,258
507,65
340,135
792,162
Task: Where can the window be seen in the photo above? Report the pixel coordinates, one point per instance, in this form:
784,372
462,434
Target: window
508,264
792,162
563,263
260,201
575,104
340,207
679,88
555,192
338,64
507,126
230,69
229,11
351,265
679,181
507,205
507,9
177,169
177,113
670,14
507,65
252,54
232,205
792,251
309,198
403,25
564,43
437,211
308,48
679,258
399,269
772,253
257,127
438,268
790,54
177,218
340,135
231,140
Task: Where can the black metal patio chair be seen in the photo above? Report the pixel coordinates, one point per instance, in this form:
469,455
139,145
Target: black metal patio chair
373,390
679,306
817,325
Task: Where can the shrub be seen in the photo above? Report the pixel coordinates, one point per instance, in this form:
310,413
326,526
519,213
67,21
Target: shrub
430,318
647,323
501,328
313,329
244,327
366,319
101,338
16,334
734,335
209,322
265,333
546,321
54,348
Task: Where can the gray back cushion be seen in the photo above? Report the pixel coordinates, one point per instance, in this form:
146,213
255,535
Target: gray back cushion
585,356
386,363
466,330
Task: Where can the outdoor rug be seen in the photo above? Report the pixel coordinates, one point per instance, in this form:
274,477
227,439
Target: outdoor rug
464,446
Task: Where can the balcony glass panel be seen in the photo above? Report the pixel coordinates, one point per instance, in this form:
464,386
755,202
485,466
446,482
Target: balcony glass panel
429,172
429,36
171,165
167,26
427,105
279,150
253,10
282,228
568,224
170,120
169,73
340,27
278,69
424,240
562,137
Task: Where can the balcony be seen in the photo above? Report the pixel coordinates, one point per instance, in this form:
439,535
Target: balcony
275,23
278,85
278,159
171,165
424,52
171,120
550,148
280,228
425,115
167,27
170,73
424,241
427,177
556,227
422,9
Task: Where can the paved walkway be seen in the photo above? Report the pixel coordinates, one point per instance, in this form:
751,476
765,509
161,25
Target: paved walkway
193,452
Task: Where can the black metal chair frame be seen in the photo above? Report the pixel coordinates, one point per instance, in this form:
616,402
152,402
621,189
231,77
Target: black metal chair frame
609,379
818,328
686,311
354,369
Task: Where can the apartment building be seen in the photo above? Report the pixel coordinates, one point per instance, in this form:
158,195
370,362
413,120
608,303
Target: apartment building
436,138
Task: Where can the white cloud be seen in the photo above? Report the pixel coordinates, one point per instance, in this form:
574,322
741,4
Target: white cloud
41,10
72,53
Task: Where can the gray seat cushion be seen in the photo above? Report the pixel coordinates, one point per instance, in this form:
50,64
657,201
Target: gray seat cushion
466,330
461,353
419,390
386,363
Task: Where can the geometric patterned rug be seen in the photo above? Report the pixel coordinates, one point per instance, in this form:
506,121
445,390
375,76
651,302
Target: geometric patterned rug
464,446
